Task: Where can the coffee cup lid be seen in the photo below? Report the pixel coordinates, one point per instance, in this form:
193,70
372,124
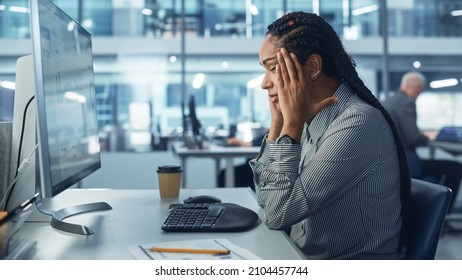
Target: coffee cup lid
169,168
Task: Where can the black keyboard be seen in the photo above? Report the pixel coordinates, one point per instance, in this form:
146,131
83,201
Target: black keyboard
209,217
193,217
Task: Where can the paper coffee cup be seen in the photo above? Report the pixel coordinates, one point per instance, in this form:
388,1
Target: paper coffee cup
3,236
169,178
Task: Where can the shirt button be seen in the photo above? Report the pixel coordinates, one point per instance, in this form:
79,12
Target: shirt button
311,141
271,159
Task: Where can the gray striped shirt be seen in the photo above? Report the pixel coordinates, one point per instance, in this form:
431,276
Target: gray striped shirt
339,190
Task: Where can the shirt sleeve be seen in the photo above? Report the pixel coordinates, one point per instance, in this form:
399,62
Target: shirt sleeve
347,153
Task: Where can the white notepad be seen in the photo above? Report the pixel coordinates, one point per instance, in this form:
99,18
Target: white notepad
141,252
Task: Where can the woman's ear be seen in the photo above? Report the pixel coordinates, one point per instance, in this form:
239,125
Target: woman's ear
314,66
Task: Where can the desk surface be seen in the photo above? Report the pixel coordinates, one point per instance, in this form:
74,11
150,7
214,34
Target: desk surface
136,218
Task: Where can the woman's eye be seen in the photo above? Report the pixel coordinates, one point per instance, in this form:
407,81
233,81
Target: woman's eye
272,69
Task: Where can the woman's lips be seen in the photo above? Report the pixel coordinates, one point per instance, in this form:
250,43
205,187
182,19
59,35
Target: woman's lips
274,98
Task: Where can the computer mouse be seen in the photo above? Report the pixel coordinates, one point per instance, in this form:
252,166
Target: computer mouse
202,199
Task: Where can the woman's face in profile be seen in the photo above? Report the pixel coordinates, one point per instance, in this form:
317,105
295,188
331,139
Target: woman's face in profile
268,60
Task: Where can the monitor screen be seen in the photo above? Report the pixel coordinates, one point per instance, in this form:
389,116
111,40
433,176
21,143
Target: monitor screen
58,79
450,134
66,104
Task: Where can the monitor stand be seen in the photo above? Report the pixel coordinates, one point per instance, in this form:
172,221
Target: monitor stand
58,217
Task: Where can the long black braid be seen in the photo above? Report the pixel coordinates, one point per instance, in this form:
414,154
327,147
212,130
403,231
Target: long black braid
305,34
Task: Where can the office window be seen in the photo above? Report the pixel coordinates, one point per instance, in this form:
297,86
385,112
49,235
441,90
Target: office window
435,110
361,19
222,18
160,18
6,104
303,5
101,19
70,7
14,19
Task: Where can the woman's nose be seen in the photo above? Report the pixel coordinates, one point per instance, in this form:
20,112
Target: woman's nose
265,84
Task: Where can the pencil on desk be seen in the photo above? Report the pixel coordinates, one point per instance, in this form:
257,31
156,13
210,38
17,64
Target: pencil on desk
191,251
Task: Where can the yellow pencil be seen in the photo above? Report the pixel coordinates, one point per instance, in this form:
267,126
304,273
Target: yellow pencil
191,251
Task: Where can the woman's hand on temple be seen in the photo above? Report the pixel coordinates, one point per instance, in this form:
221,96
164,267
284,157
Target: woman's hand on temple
296,102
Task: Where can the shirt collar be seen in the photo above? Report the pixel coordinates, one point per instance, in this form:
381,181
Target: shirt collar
322,120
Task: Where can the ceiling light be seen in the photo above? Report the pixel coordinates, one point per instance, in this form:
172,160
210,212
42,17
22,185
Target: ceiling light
253,9
364,10
7,84
18,9
456,13
198,80
146,12
87,23
173,59
443,83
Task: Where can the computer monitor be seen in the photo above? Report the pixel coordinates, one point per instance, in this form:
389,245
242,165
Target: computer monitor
452,134
193,124
57,80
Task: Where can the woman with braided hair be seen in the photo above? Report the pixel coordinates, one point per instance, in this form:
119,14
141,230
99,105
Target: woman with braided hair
332,168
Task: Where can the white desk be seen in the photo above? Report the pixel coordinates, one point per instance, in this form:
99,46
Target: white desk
217,153
136,218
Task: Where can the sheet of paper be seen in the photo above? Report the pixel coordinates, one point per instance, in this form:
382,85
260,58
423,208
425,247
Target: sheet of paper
142,252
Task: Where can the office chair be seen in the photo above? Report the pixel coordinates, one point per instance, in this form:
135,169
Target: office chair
429,206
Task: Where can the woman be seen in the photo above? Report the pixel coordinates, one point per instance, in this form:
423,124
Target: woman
332,167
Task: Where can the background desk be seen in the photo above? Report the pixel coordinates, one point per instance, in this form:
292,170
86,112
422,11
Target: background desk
217,153
136,218
455,150
452,148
